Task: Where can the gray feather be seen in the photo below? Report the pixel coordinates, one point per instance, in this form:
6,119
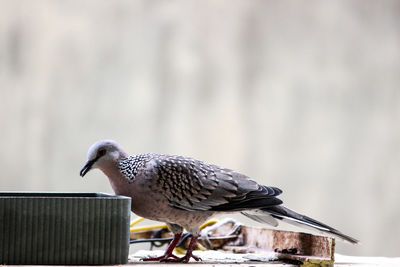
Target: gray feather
292,217
193,185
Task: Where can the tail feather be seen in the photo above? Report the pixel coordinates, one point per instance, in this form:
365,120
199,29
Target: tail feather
261,217
284,214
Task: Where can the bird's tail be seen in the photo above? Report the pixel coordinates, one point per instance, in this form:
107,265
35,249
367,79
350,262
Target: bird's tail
268,215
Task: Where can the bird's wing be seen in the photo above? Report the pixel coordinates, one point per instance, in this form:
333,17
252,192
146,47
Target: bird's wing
193,185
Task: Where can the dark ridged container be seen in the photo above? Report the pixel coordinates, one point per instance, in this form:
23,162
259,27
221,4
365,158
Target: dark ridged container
64,228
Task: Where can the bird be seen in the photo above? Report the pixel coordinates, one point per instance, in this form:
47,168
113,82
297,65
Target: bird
184,192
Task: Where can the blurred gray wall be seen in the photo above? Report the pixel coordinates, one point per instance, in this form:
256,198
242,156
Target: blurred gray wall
303,95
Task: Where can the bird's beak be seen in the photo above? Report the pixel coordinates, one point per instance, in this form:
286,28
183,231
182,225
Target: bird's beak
87,167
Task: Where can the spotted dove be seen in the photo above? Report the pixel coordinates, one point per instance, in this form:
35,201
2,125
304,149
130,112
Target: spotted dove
184,192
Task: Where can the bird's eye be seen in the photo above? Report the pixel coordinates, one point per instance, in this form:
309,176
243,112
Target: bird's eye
101,153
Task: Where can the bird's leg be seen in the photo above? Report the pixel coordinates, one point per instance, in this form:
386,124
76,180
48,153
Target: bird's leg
168,253
189,254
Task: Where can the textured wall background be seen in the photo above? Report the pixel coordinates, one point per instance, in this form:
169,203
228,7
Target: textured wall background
303,95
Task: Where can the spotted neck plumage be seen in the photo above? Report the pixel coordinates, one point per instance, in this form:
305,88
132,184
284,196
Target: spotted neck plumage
129,166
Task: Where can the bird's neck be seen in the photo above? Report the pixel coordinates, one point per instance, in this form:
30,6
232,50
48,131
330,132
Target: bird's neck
118,182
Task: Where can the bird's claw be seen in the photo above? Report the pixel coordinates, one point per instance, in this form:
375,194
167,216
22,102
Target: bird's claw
163,258
183,259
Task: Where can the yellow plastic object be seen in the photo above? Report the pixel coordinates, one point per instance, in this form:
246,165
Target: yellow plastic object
145,228
136,221
161,226
208,223
179,250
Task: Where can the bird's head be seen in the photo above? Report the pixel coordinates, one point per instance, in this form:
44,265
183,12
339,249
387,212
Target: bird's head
102,153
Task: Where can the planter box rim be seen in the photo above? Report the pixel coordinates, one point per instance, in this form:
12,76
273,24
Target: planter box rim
56,194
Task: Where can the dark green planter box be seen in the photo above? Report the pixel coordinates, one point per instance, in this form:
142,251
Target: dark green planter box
64,228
